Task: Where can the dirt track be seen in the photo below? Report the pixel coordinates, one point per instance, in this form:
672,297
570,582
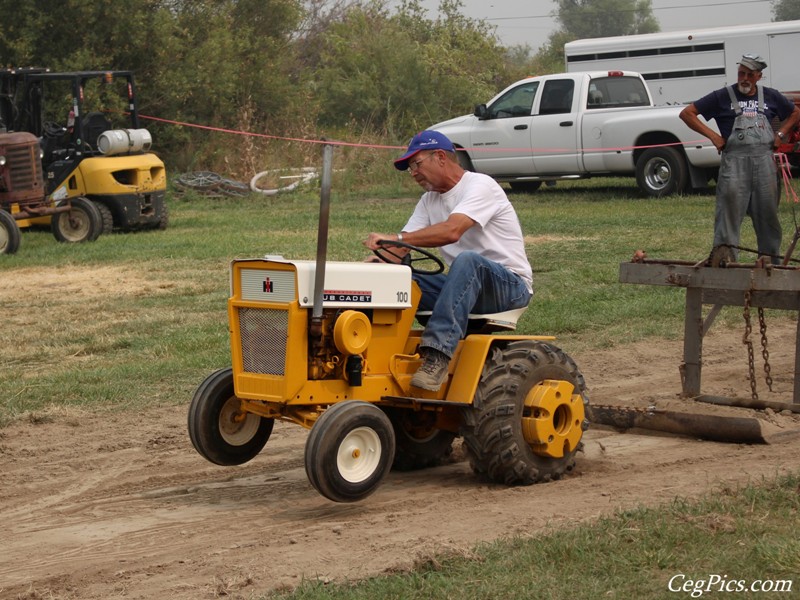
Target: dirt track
98,507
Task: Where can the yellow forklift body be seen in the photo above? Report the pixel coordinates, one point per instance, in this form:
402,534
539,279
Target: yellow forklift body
112,175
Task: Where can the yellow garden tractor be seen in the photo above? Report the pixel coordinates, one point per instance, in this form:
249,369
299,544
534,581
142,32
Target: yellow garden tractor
332,346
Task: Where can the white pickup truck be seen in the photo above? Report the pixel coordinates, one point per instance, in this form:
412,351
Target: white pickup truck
579,125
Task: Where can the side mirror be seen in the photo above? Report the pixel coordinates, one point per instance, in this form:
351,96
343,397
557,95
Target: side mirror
481,111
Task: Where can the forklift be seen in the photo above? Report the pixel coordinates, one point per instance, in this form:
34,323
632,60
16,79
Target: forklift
99,174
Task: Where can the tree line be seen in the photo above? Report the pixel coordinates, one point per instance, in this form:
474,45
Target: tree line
347,69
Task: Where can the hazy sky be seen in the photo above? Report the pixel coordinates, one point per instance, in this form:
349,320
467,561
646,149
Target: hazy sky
529,21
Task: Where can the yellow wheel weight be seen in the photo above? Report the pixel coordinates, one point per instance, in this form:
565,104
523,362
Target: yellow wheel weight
552,419
352,332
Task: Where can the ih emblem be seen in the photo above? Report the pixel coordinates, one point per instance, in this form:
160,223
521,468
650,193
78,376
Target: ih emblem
267,286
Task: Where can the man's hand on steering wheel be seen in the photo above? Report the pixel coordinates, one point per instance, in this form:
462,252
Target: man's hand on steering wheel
374,241
393,251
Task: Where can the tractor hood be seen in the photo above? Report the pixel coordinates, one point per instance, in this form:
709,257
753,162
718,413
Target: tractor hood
347,284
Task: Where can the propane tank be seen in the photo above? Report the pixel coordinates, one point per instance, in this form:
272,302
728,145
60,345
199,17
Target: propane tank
124,141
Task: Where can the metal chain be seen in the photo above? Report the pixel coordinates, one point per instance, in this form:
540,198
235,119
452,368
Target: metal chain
764,351
751,361
758,253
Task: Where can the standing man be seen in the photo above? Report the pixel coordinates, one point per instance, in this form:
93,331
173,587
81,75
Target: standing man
469,218
747,182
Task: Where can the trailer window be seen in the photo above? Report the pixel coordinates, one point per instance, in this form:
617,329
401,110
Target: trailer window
611,92
516,102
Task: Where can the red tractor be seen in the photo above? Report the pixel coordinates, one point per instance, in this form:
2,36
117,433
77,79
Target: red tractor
23,199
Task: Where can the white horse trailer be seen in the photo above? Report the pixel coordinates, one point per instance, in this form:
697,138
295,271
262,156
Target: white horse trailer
682,66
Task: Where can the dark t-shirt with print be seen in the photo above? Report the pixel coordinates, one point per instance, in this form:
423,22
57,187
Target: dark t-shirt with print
717,106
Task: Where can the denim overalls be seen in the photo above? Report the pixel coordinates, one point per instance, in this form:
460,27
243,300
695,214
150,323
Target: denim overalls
747,183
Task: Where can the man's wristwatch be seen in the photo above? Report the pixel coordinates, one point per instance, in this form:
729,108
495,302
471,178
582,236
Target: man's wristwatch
399,237
781,135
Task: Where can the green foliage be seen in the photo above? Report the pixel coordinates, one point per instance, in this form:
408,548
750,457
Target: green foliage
225,64
582,19
785,10
605,18
399,73
84,34
552,55
196,61
304,69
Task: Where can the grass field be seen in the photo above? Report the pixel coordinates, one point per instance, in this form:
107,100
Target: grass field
137,320
152,322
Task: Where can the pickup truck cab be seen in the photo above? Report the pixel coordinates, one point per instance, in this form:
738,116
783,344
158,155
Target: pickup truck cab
579,125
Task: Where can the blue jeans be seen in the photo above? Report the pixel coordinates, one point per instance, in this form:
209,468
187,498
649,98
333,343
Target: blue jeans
474,284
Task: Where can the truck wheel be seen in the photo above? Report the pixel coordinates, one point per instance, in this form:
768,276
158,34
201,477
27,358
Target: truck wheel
349,450
528,414
464,160
82,223
9,233
419,444
661,172
106,218
220,431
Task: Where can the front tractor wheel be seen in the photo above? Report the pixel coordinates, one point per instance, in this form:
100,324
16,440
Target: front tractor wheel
9,233
349,450
528,415
82,223
219,429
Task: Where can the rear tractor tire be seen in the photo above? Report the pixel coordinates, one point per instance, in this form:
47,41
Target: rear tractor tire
528,416
10,235
219,429
82,223
349,450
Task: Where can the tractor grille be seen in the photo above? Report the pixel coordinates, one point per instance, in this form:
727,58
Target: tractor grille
24,166
263,333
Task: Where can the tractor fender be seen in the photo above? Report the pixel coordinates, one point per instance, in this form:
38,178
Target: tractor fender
471,357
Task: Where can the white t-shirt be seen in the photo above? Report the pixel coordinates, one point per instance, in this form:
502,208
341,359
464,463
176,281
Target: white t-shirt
497,234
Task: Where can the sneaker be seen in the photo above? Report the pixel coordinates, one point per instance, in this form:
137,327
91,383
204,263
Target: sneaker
432,372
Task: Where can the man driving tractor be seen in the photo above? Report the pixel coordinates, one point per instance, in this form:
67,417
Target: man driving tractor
469,218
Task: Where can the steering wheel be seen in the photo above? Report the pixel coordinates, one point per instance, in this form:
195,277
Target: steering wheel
52,129
408,259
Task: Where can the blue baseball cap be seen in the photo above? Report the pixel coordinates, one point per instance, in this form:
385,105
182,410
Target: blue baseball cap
424,140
